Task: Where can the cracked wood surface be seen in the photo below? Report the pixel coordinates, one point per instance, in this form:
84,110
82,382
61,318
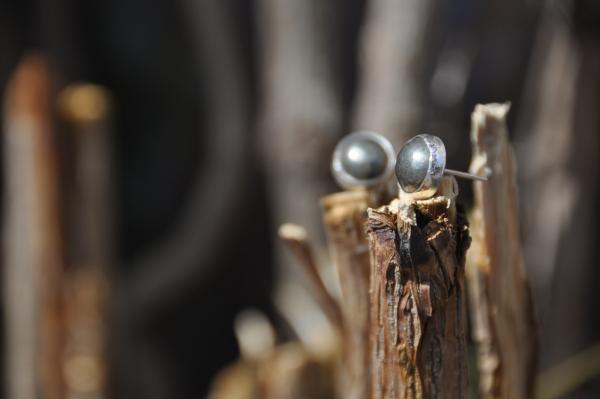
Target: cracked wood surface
417,303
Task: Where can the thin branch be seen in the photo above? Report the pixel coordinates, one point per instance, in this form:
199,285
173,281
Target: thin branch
296,239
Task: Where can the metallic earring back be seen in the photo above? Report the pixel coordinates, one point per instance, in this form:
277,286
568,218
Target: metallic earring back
421,163
362,159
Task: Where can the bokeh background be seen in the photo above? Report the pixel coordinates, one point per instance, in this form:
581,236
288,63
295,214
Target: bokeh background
223,116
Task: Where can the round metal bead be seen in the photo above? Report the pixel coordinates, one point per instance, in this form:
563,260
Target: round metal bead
362,159
420,164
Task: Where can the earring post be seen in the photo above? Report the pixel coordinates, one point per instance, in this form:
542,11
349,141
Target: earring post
464,175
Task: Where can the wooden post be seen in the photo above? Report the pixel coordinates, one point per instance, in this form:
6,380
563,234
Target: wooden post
500,300
85,110
32,236
417,306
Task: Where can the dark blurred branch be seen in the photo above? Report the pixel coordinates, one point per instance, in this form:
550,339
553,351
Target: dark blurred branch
202,228
190,252
85,110
548,117
561,177
563,378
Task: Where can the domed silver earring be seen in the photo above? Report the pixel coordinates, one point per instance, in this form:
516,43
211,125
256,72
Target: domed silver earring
362,159
421,163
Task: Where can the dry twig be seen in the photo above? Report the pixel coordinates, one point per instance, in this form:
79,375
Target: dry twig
297,241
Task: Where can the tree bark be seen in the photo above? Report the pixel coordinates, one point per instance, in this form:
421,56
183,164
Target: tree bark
500,300
417,302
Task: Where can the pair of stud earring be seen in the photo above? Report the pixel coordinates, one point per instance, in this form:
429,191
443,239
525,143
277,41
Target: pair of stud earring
366,159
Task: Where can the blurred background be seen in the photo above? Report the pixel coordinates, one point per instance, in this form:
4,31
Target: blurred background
152,148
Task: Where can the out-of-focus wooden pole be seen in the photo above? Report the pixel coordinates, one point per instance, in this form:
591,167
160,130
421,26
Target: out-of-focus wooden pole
392,59
85,110
32,254
301,115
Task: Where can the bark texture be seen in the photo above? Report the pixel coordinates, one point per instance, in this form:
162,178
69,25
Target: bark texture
417,303
500,299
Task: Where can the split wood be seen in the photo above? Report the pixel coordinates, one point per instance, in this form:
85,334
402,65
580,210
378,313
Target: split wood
501,309
417,297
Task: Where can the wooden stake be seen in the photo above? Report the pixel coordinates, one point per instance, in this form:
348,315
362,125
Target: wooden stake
500,300
417,306
32,254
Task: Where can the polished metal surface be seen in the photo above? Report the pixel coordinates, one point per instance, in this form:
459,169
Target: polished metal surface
421,163
362,159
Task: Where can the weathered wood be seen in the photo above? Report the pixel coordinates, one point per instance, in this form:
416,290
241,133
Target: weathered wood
500,300
85,111
417,306
32,236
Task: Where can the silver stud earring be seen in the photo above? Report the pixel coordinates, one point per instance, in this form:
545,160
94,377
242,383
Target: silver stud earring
362,159
421,163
